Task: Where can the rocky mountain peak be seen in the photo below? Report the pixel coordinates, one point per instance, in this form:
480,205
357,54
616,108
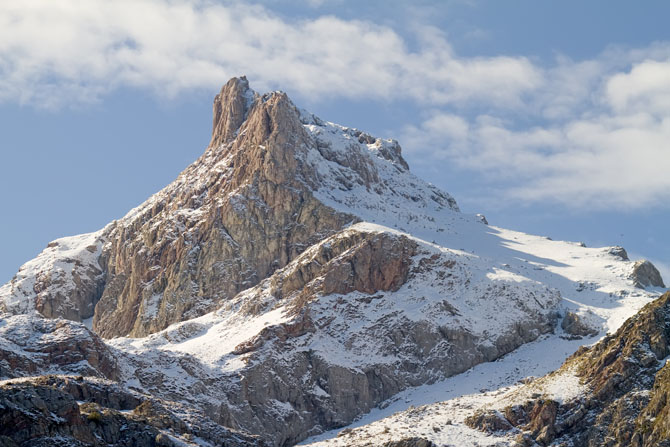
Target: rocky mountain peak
230,109
291,279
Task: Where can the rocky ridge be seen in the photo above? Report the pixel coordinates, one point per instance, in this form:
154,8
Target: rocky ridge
296,276
625,379
345,323
77,411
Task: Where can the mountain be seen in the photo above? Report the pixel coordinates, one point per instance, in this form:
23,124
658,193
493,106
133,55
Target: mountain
621,397
293,278
613,393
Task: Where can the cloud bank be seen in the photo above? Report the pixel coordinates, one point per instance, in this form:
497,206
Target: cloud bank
599,136
56,52
592,133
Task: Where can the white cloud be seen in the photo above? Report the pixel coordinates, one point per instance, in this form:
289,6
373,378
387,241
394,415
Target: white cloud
601,139
645,88
76,50
591,133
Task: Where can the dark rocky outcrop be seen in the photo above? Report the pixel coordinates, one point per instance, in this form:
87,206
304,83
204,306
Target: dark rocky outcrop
74,411
619,252
410,442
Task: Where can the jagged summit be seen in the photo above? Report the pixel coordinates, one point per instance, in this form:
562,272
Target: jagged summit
230,109
273,181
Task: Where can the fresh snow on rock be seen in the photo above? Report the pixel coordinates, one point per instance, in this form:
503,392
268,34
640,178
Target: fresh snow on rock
57,270
467,278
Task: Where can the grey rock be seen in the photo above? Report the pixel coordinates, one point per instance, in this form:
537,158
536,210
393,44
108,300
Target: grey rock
645,274
573,324
67,411
482,219
32,345
619,252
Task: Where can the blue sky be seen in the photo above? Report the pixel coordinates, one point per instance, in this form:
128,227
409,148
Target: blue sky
548,117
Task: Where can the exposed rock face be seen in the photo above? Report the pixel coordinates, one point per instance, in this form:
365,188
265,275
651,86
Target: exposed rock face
645,274
69,411
626,403
292,278
352,261
30,345
231,107
239,213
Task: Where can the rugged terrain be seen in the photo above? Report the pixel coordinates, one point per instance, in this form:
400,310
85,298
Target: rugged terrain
293,278
623,400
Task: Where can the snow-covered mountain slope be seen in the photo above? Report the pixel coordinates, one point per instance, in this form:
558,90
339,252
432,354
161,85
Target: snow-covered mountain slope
60,281
349,323
614,393
298,274
455,310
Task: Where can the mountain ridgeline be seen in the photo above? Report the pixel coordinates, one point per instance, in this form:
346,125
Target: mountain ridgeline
294,277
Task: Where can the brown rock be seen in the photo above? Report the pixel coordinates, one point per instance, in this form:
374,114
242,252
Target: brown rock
542,420
216,231
230,109
489,421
